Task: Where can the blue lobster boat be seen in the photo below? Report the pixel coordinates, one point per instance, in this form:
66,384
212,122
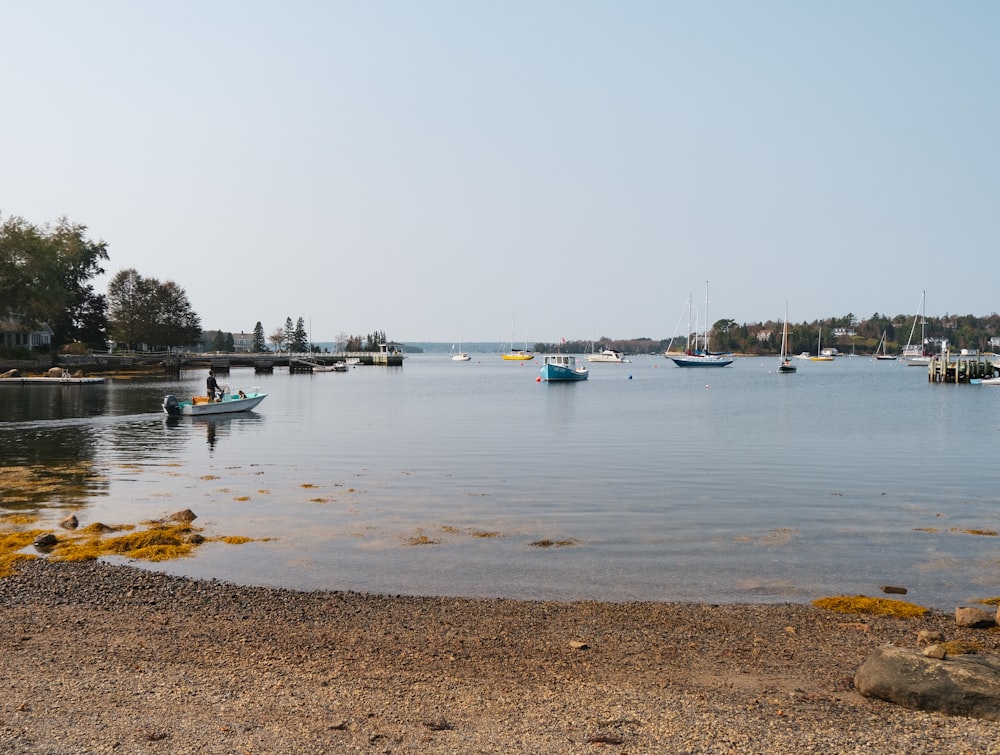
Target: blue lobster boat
562,368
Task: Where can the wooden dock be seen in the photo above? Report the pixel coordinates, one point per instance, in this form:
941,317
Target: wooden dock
961,368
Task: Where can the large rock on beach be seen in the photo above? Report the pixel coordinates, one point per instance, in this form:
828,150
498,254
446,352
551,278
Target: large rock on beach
971,616
960,685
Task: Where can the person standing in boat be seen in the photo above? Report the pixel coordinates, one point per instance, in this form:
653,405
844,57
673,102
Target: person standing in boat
212,385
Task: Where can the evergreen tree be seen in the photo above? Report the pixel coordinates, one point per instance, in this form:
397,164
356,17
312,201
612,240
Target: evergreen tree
259,345
300,340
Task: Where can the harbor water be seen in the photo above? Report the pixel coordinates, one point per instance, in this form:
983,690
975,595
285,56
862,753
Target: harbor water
645,482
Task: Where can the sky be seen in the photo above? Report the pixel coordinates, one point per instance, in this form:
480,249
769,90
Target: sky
458,170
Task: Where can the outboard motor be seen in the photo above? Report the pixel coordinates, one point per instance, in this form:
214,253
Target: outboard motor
171,406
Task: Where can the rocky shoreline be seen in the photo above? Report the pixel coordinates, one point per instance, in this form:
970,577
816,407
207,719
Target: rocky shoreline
101,658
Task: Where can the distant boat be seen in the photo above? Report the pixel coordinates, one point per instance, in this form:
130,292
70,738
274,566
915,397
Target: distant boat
821,355
916,355
784,364
200,406
460,356
560,367
695,356
517,355
880,353
606,355
319,366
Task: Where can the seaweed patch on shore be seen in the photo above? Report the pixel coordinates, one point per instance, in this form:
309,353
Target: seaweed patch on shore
157,541
871,606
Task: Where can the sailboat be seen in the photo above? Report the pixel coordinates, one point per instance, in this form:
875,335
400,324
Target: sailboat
785,365
880,353
460,356
517,355
820,356
701,357
916,354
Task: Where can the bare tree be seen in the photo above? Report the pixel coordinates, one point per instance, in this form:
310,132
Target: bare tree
277,339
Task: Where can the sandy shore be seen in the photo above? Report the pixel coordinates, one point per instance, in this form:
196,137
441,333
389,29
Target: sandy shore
98,658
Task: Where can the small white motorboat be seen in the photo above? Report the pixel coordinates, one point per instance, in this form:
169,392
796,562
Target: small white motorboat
200,406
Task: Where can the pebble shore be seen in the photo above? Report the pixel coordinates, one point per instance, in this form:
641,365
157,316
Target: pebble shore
101,658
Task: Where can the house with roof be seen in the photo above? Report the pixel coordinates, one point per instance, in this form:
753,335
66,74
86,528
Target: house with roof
14,335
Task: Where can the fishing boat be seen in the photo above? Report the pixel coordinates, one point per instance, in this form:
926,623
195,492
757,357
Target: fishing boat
606,355
517,355
785,365
917,355
560,367
880,353
695,356
199,406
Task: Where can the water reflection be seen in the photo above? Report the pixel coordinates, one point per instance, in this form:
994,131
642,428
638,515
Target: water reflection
215,428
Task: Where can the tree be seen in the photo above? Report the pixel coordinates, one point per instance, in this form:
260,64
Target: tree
300,340
83,316
143,310
277,338
259,344
288,339
219,341
45,276
175,322
125,298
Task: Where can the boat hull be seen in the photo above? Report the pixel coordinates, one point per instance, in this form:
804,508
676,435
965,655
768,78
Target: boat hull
518,356
228,405
553,373
702,360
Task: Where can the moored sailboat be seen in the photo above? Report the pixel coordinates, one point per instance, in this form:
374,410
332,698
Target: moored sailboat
785,365
695,356
517,355
916,355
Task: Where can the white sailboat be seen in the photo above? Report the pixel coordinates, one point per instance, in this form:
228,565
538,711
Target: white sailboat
460,356
916,354
785,365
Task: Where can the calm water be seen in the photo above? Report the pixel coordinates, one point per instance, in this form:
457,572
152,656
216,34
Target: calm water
661,483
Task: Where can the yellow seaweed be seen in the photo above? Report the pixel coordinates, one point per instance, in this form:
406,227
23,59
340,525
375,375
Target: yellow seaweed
871,606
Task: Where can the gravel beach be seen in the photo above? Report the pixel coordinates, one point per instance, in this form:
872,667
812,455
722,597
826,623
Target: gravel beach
101,658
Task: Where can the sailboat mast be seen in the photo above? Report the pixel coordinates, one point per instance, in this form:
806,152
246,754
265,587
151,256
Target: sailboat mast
706,319
923,321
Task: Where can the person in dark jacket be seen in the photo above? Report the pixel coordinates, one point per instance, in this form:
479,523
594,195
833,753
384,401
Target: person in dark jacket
213,386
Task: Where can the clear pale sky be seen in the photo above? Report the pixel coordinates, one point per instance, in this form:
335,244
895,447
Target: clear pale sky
438,169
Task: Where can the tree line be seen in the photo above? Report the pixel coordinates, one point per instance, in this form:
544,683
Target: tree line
46,278
47,273
847,334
